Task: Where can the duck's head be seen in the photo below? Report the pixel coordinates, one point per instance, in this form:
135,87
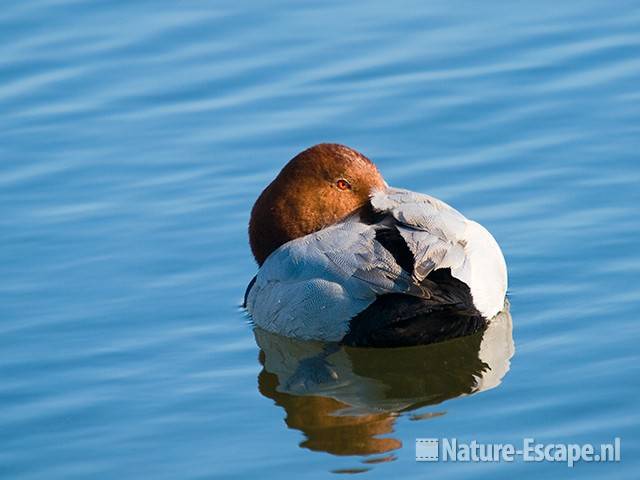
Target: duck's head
318,187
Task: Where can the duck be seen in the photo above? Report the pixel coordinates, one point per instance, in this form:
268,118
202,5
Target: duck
345,258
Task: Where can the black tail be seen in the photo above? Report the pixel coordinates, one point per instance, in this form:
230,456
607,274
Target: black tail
397,320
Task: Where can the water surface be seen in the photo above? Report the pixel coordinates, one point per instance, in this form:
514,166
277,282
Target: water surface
134,138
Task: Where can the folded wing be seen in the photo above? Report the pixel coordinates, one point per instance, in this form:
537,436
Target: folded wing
440,237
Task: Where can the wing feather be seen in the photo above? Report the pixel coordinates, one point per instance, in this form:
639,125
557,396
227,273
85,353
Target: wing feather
433,231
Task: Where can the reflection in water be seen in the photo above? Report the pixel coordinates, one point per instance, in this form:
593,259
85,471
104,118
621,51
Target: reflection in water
344,398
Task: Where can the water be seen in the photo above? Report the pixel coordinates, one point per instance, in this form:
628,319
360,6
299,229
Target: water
135,136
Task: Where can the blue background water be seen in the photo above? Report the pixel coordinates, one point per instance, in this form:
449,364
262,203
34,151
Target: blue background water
134,137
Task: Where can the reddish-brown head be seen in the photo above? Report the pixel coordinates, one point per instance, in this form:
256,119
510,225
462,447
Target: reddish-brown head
318,187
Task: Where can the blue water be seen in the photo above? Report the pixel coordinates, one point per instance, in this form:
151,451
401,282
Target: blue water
134,138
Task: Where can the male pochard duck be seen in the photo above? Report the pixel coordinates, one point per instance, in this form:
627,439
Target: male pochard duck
345,258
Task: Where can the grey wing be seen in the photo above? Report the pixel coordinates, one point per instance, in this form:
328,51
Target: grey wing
312,286
433,231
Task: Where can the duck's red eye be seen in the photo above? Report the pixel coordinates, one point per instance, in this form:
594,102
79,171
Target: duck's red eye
342,184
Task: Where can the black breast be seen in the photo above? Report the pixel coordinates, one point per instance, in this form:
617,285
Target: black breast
246,292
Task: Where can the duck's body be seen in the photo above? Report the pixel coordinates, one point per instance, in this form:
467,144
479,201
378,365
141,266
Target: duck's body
402,268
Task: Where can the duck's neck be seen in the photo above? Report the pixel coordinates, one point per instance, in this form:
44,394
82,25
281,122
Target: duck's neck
278,217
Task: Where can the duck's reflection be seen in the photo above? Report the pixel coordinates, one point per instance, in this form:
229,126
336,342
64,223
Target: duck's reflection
344,398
